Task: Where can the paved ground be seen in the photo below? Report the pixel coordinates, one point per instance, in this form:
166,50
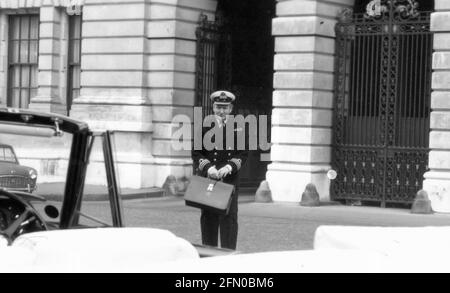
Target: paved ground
263,227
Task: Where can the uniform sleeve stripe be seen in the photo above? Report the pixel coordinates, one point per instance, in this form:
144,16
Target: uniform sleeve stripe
237,162
203,163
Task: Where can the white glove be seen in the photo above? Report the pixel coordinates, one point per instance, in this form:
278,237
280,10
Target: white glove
225,171
213,173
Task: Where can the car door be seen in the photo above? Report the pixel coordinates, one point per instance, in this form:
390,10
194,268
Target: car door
99,204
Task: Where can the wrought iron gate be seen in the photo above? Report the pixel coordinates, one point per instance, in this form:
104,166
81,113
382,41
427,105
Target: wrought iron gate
382,102
213,68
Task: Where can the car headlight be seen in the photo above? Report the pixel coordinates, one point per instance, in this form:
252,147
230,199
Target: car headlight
33,174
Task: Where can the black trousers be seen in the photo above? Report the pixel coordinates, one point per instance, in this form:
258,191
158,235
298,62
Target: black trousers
212,223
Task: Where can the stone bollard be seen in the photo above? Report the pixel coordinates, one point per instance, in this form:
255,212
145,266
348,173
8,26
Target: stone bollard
421,204
181,185
310,197
263,194
170,186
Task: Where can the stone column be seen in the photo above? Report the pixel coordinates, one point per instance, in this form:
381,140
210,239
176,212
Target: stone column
171,66
51,96
3,58
437,180
113,84
303,96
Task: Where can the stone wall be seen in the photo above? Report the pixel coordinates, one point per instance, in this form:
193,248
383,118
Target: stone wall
3,57
113,83
138,62
437,180
138,72
303,96
53,32
171,63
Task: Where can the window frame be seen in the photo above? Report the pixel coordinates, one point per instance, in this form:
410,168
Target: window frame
71,64
11,65
3,149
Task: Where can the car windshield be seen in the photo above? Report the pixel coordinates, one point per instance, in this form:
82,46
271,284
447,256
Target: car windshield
40,172
7,155
41,161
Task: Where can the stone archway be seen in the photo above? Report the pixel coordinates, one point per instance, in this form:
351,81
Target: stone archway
235,52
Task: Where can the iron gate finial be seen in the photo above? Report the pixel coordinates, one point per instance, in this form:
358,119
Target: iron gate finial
346,15
404,8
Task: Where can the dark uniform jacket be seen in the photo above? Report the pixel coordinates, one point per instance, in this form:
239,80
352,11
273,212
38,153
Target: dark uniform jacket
222,155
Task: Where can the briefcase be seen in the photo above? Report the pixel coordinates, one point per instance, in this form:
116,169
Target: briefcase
209,194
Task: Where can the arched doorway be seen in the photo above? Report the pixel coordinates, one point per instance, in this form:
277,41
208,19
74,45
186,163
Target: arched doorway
382,101
235,52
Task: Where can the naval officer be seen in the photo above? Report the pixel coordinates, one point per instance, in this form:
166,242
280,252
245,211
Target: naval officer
223,162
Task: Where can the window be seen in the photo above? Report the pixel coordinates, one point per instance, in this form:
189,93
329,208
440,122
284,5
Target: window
23,59
74,59
7,155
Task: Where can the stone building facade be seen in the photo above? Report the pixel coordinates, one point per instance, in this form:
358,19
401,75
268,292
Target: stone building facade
437,180
138,70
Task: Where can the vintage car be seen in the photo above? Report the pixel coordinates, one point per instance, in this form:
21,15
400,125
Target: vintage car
14,176
48,235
